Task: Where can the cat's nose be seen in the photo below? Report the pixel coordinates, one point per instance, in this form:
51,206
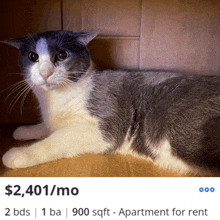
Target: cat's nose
46,73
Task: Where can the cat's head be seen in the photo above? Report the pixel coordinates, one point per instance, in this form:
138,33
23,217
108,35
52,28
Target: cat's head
54,58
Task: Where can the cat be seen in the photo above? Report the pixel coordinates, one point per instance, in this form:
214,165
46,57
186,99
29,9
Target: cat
172,119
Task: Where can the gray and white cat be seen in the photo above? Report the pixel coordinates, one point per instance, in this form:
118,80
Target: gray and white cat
172,119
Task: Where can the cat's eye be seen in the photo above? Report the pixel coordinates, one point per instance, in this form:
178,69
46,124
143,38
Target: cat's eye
34,57
62,55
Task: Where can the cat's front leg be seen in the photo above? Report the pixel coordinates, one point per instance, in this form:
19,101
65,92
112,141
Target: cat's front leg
31,132
64,143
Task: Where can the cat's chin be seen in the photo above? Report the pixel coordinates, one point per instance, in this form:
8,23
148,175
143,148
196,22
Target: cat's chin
49,86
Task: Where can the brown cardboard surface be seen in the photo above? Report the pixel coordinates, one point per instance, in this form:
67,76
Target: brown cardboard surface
91,165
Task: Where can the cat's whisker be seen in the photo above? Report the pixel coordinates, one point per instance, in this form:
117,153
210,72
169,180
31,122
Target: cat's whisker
78,72
15,89
61,39
64,85
67,27
66,79
22,74
68,84
31,39
72,75
20,88
63,43
65,82
16,98
25,95
73,78
16,86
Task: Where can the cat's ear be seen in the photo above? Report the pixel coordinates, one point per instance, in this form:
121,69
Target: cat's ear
15,42
86,37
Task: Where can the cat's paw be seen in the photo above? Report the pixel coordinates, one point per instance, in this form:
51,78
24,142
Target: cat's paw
16,158
21,133
30,132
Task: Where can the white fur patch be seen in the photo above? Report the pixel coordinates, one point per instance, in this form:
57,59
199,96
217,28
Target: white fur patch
63,106
67,142
44,64
39,70
163,156
166,160
44,73
126,148
74,130
42,47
